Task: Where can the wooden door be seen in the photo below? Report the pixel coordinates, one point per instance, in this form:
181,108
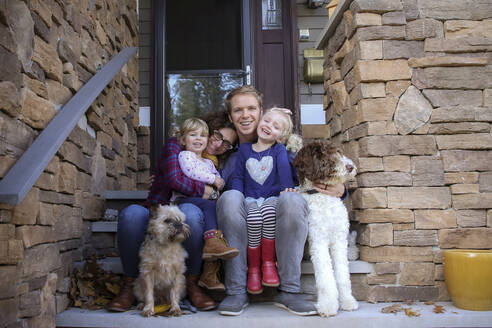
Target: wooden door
275,55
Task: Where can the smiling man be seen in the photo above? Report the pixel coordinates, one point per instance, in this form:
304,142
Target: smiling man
244,106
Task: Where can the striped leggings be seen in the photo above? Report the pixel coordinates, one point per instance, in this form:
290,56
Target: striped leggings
261,221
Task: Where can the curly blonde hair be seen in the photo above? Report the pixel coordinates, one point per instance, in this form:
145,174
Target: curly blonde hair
288,126
189,125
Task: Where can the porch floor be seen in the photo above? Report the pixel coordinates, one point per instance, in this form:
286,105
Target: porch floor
267,315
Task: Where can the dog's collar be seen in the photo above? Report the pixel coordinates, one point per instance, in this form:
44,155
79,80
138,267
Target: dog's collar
311,191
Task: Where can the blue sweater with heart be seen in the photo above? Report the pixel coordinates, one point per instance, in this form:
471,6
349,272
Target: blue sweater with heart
262,174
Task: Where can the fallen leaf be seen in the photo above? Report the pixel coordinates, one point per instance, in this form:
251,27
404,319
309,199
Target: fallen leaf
439,309
429,303
392,309
454,312
161,308
409,312
409,302
92,287
113,288
101,301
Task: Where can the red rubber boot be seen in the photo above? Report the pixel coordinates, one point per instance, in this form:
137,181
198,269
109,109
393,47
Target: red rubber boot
254,273
269,267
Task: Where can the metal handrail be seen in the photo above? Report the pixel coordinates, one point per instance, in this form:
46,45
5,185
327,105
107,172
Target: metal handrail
26,171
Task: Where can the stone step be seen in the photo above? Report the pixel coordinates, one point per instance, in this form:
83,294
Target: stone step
119,199
308,283
104,226
267,315
125,194
113,264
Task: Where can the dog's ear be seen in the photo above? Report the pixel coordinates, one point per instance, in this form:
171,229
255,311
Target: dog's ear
303,162
316,160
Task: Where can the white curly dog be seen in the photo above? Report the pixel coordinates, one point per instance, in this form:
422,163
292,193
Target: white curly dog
321,162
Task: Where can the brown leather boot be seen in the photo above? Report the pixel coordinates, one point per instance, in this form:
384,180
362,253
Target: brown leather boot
125,298
209,278
197,296
216,247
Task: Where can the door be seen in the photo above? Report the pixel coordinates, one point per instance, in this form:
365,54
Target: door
202,50
205,48
207,55
275,53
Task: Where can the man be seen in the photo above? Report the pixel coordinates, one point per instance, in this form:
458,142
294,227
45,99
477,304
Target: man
244,106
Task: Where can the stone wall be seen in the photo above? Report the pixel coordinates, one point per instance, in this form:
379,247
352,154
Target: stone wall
48,50
408,95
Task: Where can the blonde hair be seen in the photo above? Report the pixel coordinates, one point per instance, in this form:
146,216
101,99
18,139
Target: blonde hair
288,126
189,125
243,90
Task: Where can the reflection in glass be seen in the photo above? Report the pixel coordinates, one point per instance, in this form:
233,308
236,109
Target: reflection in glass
271,12
195,95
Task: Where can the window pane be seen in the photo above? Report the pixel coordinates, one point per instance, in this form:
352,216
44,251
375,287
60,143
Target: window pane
192,95
203,34
271,12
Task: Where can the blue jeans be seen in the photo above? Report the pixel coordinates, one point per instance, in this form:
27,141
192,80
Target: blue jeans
132,225
208,208
290,236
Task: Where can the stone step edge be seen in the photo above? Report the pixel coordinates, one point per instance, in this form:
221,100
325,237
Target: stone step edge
268,315
113,264
125,194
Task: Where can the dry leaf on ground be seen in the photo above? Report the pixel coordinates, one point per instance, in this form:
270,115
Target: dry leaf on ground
429,303
409,312
439,309
395,308
409,302
161,308
92,287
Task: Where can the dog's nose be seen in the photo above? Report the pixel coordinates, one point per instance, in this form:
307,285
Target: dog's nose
349,167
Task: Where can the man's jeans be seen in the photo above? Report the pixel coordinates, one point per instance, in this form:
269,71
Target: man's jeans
132,225
290,237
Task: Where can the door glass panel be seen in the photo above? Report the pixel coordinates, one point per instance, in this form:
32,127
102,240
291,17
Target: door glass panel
271,12
192,95
203,35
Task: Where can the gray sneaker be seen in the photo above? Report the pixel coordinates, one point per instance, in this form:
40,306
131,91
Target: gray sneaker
294,303
233,304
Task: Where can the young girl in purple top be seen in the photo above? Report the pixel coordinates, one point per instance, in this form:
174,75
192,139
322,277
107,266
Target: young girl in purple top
262,173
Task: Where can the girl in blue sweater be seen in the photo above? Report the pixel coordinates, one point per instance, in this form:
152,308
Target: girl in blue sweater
262,173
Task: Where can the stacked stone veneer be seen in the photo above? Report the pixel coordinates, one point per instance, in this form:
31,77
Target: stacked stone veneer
408,95
48,50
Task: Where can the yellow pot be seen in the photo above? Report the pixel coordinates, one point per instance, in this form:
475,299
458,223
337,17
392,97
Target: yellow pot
468,276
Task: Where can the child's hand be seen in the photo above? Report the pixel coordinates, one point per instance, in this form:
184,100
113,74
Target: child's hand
288,190
207,192
219,183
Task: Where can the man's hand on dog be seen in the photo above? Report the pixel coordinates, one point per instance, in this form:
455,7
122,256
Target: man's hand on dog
331,190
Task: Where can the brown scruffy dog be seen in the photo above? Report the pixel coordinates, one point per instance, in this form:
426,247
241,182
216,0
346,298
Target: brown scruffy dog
162,260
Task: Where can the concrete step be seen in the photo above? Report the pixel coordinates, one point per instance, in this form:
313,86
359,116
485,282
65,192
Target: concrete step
113,264
267,315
